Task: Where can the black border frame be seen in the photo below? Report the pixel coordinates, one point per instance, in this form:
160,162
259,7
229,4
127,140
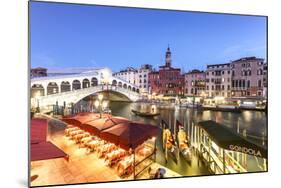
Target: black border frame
132,7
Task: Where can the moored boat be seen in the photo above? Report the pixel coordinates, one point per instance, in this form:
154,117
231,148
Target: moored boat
145,114
184,145
169,145
223,108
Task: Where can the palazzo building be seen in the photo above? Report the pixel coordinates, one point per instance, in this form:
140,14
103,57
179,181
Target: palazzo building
168,81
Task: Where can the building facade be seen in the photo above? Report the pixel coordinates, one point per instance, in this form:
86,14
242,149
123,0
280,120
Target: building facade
248,77
218,80
167,81
142,78
194,83
265,80
129,74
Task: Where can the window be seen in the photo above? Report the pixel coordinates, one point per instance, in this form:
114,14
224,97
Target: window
222,87
228,87
212,87
259,83
248,84
249,72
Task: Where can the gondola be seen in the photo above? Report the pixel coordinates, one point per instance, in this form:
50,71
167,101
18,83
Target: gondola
169,144
222,109
184,145
145,114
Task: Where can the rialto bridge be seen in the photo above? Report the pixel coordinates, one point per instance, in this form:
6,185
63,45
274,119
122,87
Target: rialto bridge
66,89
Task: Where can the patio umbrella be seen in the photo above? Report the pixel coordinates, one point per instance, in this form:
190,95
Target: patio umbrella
129,134
98,125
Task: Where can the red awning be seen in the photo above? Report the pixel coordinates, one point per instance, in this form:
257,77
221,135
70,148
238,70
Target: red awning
40,149
84,117
98,125
129,134
38,130
45,150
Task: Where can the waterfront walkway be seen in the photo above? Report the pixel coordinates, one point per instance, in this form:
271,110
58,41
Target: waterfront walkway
81,167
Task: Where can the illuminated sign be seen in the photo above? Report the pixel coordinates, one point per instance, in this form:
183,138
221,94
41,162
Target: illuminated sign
246,150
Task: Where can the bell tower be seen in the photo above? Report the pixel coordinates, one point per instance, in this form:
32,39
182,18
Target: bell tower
168,59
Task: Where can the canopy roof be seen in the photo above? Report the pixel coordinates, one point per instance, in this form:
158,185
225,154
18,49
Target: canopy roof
81,118
45,150
38,130
40,149
98,125
227,139
129,134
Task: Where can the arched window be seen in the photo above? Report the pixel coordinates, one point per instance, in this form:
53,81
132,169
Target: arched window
248,84
37,90
94,81
76,85
65,86
114,82
119,84
52,88
85,83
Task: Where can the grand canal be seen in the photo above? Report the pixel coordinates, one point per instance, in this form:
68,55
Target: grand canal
250,123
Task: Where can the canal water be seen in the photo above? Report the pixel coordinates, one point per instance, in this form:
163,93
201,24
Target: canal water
253,123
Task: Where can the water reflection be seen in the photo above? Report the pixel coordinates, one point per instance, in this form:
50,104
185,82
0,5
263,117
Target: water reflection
252,122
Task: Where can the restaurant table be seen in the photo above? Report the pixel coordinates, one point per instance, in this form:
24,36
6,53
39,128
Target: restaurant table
115,154
93,144
73,133
145,151
68,130
125,165
106,148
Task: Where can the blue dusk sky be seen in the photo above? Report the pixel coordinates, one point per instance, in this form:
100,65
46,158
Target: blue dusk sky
75,36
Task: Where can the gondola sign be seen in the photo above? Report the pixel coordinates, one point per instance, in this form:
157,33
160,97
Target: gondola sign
246,150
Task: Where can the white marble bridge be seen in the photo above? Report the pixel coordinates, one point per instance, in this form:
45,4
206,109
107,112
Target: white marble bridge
47,91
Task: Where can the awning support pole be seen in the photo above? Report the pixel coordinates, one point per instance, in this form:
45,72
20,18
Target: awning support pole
223,156
134,166
155,150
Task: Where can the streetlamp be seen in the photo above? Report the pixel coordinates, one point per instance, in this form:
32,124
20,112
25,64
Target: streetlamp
37,95
100,105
